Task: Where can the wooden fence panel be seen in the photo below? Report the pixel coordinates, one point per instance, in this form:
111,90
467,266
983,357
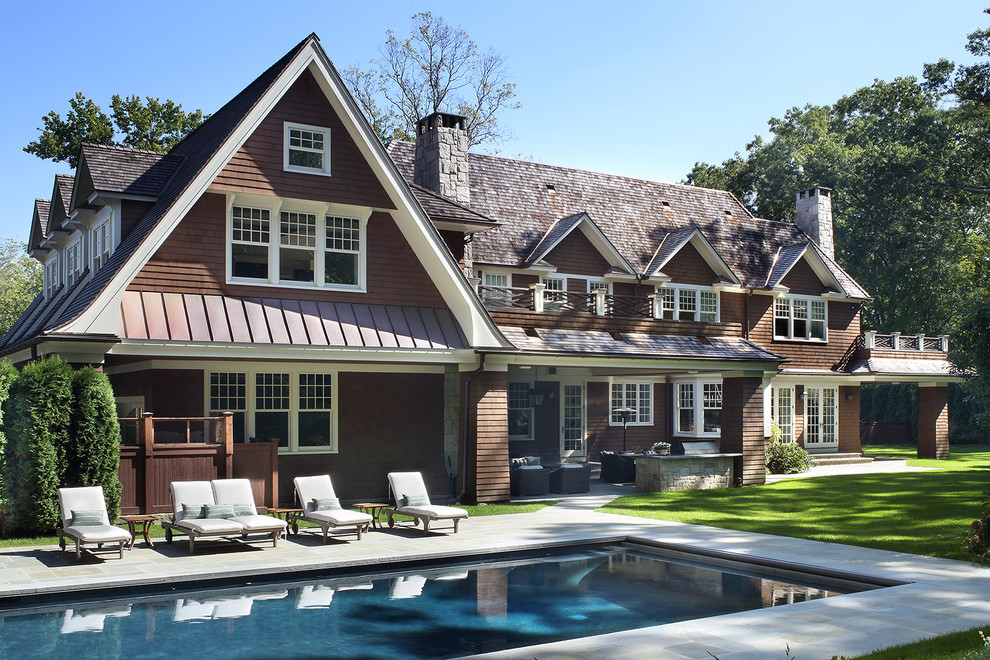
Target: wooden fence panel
255,461
884,433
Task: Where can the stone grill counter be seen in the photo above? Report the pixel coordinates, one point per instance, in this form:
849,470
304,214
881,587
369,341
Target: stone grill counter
656,474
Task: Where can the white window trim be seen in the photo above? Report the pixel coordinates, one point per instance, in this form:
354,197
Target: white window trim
599,280
699,406
532,416
53,276
677,288
275,205
293,371
774,410
325,171
625,402
789,337
76,247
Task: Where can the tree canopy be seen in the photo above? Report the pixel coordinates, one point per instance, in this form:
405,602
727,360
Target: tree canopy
437,68
140,124
20,281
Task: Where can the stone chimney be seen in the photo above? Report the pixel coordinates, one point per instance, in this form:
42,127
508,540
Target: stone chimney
813,215
442,156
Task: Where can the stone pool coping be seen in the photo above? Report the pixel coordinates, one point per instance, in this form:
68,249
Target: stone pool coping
941,595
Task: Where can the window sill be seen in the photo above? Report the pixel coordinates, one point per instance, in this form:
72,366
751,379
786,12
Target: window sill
349,288
788,340
706,436
306,452
619,424
305,170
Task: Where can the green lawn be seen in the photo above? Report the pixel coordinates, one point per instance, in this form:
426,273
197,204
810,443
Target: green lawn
924,513
965,645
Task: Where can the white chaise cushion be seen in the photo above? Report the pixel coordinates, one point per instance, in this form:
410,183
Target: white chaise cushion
97,533
434,511
257,523
211,525
342,517
189,492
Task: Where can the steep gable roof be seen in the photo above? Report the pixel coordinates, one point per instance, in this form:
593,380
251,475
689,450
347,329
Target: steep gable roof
675,241
39,223
562,228
634,214
116,169
830,274
204,152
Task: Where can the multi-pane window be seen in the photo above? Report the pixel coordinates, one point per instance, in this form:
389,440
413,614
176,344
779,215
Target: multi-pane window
494,294
638,397
228,393
295,407
783,412
553,294
595,287
821,416
305,248
520,411
250,235
52,278
688,303
698,408
343,249
297,246
799,318
307,149
73,263
271,403
101,245
712,407
313,416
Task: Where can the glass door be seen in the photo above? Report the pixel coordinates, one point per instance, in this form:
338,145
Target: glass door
572,444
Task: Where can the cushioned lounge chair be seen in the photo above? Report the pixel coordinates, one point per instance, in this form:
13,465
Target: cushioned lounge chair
196,513
85,519
312,492
412,499
238,493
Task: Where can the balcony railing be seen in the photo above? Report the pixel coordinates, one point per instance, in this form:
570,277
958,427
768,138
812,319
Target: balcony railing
895,341
538,298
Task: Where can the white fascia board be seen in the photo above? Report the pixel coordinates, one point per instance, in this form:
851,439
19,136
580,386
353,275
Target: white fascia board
410,217
622,362
306,353
541,267
339,367
822,270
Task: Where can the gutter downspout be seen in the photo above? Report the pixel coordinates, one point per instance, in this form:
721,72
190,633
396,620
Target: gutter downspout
467,424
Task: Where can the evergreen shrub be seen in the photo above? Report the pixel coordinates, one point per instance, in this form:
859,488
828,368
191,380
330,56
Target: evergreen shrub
93,452
37,419
785,457
7,375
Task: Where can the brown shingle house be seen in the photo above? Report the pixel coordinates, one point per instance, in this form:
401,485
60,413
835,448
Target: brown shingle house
420,307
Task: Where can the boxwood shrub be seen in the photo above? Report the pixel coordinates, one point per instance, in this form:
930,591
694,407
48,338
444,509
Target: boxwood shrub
786,458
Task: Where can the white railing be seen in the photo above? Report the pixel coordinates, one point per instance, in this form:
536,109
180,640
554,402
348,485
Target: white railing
895,341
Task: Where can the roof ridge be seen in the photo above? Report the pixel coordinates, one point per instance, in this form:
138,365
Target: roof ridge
125,148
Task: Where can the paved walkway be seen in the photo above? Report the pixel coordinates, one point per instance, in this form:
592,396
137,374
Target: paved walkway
941,595
878,466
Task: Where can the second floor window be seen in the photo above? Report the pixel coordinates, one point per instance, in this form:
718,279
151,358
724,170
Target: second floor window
101,245
307,149
800,318
688,303
302,249
52,278
73,263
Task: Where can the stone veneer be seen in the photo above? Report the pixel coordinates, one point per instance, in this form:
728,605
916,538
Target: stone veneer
655,474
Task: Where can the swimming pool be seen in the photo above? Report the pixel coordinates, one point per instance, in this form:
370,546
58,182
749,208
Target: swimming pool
429,611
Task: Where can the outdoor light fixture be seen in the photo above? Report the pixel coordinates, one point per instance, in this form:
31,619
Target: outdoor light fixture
624,413
804,395
850,396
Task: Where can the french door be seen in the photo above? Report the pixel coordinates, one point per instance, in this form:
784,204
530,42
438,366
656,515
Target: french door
572,440
821,418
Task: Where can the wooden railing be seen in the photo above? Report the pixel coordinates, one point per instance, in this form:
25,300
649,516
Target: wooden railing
173,449
538,298
895,341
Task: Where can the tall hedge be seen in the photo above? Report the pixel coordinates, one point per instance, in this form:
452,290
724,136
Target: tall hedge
92,454
7,375
37,418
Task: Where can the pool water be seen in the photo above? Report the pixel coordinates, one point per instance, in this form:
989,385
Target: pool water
429,612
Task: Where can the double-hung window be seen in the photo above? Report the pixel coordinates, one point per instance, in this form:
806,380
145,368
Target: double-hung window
520,411
102,245
293,405
680,302
636,396
307,149
698,408
73,263
802,318
52,278
306,248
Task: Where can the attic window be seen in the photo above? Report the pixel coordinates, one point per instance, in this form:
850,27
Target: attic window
307,149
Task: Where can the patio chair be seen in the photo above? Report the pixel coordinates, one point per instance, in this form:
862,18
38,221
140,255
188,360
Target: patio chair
412,499
320,506
190,514
238,493
85,519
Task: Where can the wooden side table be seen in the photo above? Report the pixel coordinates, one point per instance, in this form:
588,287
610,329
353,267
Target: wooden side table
374,509
145,521
290,516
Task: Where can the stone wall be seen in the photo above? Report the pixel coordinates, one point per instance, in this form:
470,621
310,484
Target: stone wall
655,474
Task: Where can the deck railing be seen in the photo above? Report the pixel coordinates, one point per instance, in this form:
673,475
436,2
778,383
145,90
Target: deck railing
537,298
895,341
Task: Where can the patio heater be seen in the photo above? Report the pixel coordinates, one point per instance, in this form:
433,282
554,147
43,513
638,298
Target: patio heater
624,413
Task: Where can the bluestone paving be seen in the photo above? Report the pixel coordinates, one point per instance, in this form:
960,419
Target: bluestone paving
941,595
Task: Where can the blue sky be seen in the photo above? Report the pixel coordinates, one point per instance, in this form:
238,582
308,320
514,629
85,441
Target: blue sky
641,89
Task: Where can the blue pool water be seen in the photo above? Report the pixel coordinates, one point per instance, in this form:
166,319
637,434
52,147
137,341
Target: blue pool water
429,612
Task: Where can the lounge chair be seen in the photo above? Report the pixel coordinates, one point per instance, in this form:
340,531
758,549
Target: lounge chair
314,597
192,502
85,519
407,586
237,492
412,499
309,490
91,620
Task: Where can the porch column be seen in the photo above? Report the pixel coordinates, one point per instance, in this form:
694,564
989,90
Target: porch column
933,421
742,426
488,438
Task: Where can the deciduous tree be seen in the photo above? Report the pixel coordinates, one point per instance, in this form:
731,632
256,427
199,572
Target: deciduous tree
20,281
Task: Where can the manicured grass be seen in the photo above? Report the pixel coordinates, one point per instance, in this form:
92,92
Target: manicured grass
924,513
954,646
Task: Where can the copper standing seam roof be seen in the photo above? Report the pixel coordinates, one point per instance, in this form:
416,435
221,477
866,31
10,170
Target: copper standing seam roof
225,319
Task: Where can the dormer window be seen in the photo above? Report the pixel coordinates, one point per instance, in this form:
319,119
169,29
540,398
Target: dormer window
307,149
102,245
73,263
802,318
52,278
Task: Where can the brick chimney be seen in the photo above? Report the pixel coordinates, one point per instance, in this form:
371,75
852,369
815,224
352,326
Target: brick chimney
813,215
442,156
